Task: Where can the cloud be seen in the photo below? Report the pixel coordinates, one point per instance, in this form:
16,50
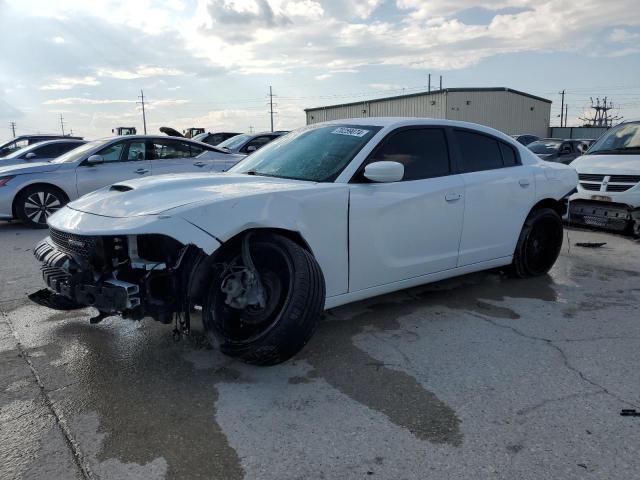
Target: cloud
385,86
323,76
59,40
67,83
139,72
623,36
108,101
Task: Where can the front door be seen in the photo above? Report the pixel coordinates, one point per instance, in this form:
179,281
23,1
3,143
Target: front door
409,228
123,160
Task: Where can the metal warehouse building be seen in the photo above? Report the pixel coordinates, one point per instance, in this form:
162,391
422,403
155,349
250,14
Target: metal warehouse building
508,110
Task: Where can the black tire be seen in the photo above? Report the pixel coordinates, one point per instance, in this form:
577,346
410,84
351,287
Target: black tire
295,300
539,244
35,204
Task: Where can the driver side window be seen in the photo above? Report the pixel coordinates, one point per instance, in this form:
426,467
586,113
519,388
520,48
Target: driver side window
112,153
422,151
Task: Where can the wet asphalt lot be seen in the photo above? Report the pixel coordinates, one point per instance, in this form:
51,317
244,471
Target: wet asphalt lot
479,377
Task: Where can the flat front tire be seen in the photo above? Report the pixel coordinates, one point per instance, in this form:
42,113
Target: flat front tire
295,295
34,205
539,244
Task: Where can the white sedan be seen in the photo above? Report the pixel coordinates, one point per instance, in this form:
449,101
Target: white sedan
326,215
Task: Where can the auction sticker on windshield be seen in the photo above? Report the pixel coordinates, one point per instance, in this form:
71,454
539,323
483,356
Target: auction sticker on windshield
353,132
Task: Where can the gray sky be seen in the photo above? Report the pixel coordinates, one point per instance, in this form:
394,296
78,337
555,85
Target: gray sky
210,63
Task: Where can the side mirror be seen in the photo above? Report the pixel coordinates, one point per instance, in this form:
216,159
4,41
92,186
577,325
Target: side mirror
95,160
251,149
384,172
30,155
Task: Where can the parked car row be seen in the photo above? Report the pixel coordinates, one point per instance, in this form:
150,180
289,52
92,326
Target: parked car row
34,189
23,141
558,150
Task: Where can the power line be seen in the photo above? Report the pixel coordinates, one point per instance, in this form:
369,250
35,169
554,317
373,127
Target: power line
144,118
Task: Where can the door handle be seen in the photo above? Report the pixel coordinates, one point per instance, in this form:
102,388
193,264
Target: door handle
524,182
141,171
452,197
199,164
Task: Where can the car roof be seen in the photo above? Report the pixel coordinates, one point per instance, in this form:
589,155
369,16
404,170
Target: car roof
396,122
56,140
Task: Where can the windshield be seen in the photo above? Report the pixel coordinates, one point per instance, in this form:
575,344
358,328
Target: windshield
624,138
235,142
200,136
543,147
77,153
316,154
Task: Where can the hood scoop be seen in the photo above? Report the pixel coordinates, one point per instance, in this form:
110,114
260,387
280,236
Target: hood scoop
120,188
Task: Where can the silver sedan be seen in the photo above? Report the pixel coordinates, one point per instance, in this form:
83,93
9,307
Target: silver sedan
32,192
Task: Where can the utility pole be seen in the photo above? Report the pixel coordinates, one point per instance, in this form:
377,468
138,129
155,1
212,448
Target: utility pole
429,84
440,82
562,108
271,105
12,125
144,118
566,113
62,124
250,128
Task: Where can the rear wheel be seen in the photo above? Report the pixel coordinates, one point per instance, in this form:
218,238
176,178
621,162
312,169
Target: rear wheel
34,205
292,295
539,244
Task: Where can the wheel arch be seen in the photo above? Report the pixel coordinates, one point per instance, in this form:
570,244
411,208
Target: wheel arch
556,205
31,185
203,271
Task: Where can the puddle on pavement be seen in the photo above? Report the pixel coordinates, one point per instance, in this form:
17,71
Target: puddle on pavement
146,395
335,358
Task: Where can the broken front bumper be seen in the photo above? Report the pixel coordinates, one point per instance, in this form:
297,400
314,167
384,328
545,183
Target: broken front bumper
612,216
65,275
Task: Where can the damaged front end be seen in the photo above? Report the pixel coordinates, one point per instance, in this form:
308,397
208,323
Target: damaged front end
136,276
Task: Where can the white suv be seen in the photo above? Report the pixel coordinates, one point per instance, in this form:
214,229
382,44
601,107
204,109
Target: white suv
608,193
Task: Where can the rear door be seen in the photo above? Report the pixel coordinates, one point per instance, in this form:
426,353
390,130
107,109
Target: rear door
499,192
123,160
176,156
409,228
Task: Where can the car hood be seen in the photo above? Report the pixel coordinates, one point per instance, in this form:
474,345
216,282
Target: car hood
608,164
159,194
31,167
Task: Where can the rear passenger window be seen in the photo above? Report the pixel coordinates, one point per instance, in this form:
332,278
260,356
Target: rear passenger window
47,151
479,152
509,157
422,151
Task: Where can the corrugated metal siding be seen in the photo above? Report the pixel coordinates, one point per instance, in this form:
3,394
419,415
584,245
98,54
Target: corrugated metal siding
505,111
576,132
431,106
338,113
